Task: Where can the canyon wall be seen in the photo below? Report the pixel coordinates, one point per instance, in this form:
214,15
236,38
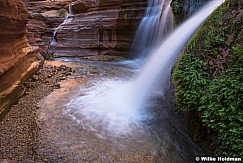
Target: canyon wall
44,16
98,27
17,58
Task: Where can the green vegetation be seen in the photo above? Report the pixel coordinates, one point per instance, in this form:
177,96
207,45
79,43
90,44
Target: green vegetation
176,7
209,77
62,12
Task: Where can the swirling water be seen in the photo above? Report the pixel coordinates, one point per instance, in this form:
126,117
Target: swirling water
120,109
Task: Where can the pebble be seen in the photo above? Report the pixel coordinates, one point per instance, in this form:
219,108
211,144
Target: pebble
18,126
35,77
62,78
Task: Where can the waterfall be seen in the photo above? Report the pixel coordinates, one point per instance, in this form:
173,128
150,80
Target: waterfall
157,22
70,8
157,69
68,19
116,106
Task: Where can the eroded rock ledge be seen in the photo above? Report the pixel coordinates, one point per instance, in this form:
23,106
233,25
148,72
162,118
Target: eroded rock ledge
17,58
99,27
44,16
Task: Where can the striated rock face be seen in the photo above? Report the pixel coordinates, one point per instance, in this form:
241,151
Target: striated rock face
99,27
44,16
41,6
83,5
36,28
13,17
17,58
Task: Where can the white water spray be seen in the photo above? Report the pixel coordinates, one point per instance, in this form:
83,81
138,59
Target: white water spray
156,24
116,105
158,67
105,105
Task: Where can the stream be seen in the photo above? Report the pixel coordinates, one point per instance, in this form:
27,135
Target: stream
76,125
114,112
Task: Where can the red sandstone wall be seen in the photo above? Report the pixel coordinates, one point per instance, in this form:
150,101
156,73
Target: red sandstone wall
99,27
13,19
17,58
43,18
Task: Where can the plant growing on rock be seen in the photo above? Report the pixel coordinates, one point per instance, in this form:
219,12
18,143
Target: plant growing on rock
62,12
208,77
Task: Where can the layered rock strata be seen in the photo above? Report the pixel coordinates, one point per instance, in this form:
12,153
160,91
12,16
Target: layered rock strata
17,58
99,27
44,16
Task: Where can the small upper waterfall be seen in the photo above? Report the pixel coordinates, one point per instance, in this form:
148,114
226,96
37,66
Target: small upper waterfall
70,8
159,64
68,19
157,22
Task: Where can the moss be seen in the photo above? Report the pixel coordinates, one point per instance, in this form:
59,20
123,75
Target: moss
177,8
62,12
208,77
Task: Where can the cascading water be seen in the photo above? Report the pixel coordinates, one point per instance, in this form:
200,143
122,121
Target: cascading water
114,109
158,67
70,8
134,94
156,24
68,19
